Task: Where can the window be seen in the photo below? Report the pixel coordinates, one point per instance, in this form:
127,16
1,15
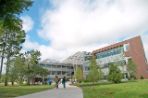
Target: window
126,47
109,52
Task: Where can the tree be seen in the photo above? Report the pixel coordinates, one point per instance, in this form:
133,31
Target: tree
11,46
94,74
42,72
12,72
114,73
79,74
13,7
131,67
32,60
10,9
17,69
10,26
26,66
1,27
12,38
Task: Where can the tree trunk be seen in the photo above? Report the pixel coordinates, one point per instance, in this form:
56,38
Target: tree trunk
7,70
6,81
33,80
12,83
28,78
21,80
2,59
43,82
28,81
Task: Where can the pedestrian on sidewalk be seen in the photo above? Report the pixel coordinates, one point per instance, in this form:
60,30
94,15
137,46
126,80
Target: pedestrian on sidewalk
64,82
57,81
49,81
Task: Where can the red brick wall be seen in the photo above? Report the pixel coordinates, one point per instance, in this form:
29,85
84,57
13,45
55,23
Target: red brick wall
136,51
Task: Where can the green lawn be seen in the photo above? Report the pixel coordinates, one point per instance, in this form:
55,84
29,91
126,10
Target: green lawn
137,89
13,91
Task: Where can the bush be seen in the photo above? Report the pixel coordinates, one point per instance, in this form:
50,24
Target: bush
141,77
79,74
114,74
132,77
131,69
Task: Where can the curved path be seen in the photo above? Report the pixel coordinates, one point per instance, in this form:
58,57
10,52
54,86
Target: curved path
69,92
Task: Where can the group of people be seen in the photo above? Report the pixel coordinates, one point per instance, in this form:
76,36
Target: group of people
58,81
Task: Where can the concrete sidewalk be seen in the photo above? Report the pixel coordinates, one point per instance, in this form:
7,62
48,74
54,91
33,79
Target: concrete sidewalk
69,92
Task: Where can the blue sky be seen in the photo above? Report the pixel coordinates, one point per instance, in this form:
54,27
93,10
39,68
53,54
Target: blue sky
35,12
59,28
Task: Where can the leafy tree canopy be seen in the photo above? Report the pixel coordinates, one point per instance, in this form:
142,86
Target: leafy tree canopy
94,73
9,14
13,7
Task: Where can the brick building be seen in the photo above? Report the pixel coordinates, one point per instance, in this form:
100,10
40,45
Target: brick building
121,52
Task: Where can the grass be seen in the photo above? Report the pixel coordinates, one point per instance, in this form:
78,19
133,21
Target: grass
14,91
137,89
84,84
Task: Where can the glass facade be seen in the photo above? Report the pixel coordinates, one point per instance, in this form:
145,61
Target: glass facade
121,63
110,52
114,55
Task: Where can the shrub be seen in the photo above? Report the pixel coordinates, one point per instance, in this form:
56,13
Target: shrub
141,77
131,69
79,74
114,74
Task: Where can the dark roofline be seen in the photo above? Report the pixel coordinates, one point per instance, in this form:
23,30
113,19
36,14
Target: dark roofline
112,46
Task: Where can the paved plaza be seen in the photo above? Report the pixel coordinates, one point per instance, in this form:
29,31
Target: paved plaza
69,92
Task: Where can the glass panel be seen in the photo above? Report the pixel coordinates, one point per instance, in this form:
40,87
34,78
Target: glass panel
109,52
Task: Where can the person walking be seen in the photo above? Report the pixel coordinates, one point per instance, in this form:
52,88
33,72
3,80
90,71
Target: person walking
64,82
56,81
49,81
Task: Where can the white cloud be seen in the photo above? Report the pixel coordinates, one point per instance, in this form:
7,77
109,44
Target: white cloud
27,23
86,24
50,52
